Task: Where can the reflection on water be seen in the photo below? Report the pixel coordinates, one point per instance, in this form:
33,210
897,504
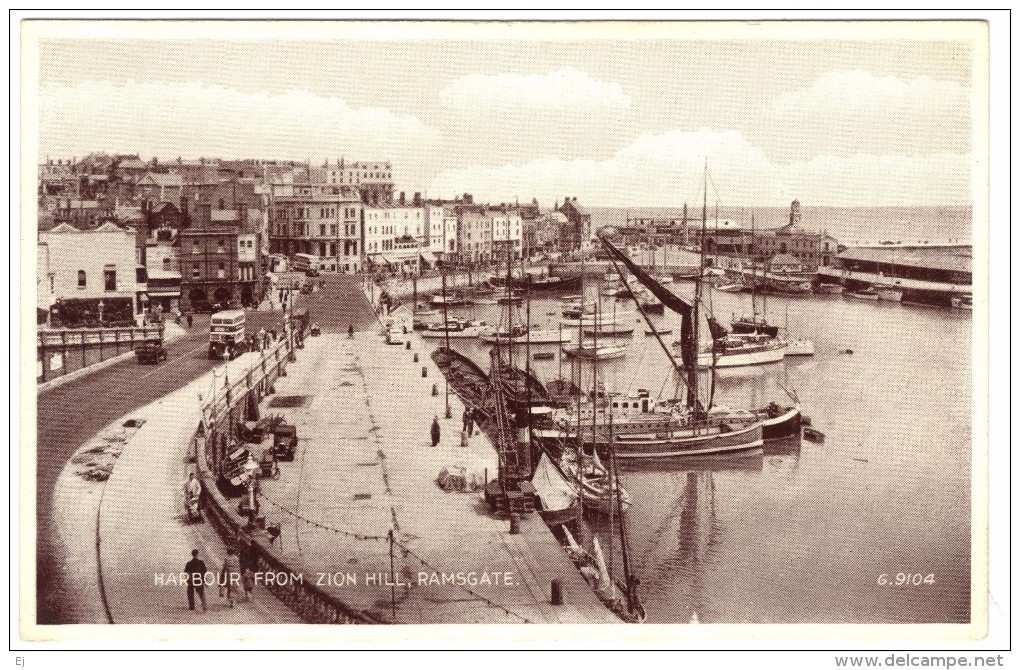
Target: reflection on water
803,531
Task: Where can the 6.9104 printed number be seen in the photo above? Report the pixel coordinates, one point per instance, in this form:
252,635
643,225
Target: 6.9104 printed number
906,579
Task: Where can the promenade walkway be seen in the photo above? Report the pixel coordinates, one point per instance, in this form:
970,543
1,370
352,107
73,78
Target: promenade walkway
365,465
145,537
71,415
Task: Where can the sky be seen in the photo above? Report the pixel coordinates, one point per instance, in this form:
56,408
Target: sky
613,118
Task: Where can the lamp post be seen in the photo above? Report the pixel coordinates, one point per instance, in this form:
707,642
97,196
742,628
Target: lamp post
101,312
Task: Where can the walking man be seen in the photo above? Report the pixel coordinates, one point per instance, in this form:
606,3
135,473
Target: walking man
195,568
230,576
469,419
189,318
350,331
435,431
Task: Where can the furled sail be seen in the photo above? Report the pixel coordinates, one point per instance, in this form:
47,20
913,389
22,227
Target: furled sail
552,488
716,329
688,345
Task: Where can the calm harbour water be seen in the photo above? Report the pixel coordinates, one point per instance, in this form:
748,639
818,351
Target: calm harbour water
803,533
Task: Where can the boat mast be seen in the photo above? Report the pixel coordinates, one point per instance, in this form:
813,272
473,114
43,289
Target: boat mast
446,333
610,495
624,549
527,355
692,375
754,276
576,364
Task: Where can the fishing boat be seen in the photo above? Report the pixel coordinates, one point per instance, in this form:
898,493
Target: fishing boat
799,347
889,293
599,496
510,298
610,329
467,380
965,302
756,323
520,334
547,283
864,294
646,302
732,288
572,307
590,320
675,428
448,300
639,418
738,350
454,328
615,290
828,288
602,352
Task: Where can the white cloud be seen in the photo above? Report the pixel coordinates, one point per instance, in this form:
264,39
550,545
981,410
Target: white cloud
193,119
666,169
858,112
563,89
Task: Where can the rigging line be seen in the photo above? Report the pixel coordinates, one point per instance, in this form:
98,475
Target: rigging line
428,565
358,536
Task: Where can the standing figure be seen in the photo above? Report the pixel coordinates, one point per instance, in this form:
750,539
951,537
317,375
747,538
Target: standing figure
195,569
435,431
230,576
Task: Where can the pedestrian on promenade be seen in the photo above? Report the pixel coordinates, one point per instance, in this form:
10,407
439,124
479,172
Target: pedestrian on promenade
193,491
350,331
435,431
189,318
469,420
230,576
195,569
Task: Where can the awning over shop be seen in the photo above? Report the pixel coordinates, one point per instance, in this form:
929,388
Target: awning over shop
428,257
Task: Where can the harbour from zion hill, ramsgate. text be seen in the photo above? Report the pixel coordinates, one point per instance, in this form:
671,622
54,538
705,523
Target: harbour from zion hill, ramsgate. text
462,578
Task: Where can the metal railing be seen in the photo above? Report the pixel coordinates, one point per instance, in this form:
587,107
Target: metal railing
59,352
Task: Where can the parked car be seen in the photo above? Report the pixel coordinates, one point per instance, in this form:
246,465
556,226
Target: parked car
395,335
150,352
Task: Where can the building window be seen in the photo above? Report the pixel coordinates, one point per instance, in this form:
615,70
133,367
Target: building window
195,272
110,278
81,279
222,272
221,204
166,263
220,246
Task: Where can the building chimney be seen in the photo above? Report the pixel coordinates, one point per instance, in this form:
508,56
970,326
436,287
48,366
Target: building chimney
417,199
185,214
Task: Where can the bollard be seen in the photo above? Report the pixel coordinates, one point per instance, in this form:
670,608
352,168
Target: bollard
416,358
435,390
515,524
557,592
424,371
